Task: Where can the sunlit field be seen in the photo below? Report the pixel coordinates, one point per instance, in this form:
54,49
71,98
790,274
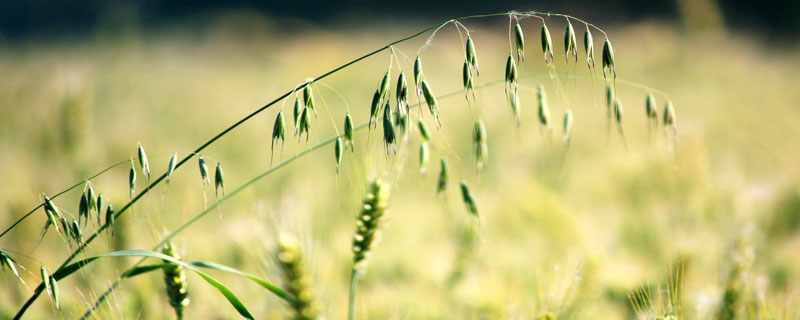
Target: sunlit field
599,225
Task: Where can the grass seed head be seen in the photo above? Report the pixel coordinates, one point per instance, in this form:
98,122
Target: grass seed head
279,130
570,42
430,100
46,280
650,107
91,198
349,131
7,261
175,281
544,110
76,233
83,207
110,218
143,162
374,108
402,93
67,227
547,45
441,184
298,110
588,44
418,75
308,97
511,70
297,278
669,115
305,123
610,98
219,180
472,55
618,112
467,77
383,88
469,201
171,167
424,157
423,130
132,180
389,135
567,125
338,149
369,221
519,41
203,170
609,64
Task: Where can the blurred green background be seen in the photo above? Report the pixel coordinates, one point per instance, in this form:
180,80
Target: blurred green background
569,233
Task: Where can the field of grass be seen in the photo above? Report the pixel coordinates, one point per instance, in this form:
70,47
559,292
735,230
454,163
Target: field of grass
577,233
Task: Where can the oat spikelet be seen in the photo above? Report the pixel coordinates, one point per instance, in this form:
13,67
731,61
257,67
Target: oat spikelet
219,180
298,281
349,132
547,45
171,167
441,184
424,157
481,146
430,100
369,221
6,261
278,131
338,149
519,41
54,288
132,180
143,163
469,201
588,44
544,110
203,171
389,135
609,63
175,281
418,76
570,43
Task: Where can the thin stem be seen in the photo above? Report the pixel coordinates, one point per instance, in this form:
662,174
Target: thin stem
352,304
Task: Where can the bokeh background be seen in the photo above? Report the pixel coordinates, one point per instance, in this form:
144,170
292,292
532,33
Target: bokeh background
569,233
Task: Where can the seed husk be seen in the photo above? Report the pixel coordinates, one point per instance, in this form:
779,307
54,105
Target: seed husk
100,203
570,42
651,108
337,151
7,261
305,123
513,98
441,184
547,45
588,44
481,148
423,130
374,109
418,76
171,167
54,288
143,162
76,232
609,63
219,180
91,198
430,100
402,94
383,88
610,98
472,55
52,213
511,71
520,42
132,180
203,170
467,79
369,221
424,157
67,227
110,218
389,136
469,201
618,111
45,280
279,130
544,110
349,132
308,97
298,110
83,207
669,114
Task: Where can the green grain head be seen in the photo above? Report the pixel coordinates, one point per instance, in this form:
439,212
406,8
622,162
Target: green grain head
547,45
519,41
349,132
171,167
203,170
469,201
278,130
175,281
588,45
544,110
298,280
441,184
570,42
369,221
219,180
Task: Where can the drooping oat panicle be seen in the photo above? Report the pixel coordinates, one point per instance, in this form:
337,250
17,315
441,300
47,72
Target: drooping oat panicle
472,55
83,207
100,202
423,131
203,170
54,288
76,233
441,184
547,45
570,42
401,95
374,108
308,98
481,146
278,130
338,149
143,162
389,135
6,261
132,180
45,280
519,41
567,126
219,180
650,108
175,281
469,201
369,221
171,167
383,87
424,157
298,280
544,110
418,76
588,44
305,123
609,64
298,110
349,132
430,100
110,218
669,115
